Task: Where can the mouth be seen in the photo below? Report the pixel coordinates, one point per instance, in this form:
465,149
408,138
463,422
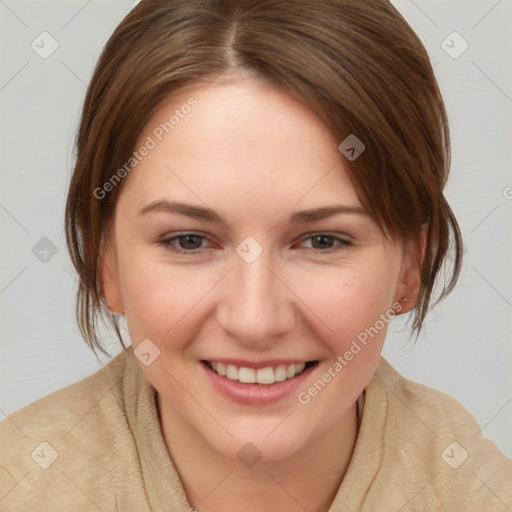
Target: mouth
269,375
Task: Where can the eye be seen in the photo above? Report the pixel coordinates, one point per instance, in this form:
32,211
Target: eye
185,243
192,243
325,243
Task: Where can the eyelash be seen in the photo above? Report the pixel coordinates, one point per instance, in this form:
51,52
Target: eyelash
167,243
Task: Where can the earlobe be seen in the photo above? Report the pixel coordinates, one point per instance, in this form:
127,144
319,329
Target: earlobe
109,280
408,286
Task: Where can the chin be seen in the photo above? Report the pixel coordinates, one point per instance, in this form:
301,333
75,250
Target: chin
257,446
270,438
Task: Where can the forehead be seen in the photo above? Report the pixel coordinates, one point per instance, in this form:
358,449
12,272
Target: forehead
242,137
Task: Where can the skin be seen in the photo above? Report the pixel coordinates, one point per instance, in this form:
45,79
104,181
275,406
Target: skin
254,155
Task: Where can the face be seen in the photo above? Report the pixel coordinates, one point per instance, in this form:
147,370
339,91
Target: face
222,254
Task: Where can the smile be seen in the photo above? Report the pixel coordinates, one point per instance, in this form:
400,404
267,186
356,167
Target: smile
267,375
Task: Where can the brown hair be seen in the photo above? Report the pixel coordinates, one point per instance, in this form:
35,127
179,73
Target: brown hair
356,63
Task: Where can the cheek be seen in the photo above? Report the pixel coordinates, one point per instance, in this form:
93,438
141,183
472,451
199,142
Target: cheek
339,301
347,299
353,309
157,296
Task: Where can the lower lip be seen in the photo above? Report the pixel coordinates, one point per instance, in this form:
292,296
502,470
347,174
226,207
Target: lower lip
256,394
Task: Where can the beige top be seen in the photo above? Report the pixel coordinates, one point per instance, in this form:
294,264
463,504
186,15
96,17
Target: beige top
97,445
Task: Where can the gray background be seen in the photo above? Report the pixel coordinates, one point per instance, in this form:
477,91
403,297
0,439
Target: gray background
465,349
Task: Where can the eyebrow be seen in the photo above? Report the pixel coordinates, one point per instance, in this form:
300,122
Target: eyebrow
209,215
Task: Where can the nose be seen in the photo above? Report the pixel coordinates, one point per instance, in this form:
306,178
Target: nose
256,307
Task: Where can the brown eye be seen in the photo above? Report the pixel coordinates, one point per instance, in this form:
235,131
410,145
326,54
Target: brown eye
323,242
187,243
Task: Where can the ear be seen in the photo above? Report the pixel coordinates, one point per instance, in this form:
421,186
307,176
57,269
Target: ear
409,281
109,281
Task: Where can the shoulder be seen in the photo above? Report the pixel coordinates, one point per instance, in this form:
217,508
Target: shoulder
427,405
432,434
58,413
47,444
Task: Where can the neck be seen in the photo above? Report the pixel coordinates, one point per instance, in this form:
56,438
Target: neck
306,480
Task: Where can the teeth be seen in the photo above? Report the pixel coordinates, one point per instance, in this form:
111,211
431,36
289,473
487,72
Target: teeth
247,375
232,372
280,373
221,369
266,375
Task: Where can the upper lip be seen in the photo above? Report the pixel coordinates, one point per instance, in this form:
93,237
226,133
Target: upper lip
256,365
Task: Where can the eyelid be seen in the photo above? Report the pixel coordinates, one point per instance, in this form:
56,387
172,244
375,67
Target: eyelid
345,237
344,241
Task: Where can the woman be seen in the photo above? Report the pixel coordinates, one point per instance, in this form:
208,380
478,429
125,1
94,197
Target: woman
258,191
